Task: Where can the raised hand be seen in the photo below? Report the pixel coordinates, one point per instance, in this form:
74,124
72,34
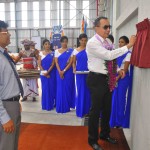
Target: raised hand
132,41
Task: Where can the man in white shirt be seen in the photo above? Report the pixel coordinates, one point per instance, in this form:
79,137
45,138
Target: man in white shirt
101,95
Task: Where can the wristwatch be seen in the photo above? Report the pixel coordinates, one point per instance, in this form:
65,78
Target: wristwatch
64,70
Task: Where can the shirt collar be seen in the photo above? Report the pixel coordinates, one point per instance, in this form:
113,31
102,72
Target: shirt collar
100,38
2,49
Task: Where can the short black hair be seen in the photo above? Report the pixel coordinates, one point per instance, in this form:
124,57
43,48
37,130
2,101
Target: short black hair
45,40
97,21
3,25
63,38
125,38
110,36
83,35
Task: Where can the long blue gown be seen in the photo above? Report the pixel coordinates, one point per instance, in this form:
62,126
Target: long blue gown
121,99
65,87
83,101
48,84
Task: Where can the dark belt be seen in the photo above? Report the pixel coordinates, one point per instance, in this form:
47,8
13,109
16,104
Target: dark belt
16,98
100,74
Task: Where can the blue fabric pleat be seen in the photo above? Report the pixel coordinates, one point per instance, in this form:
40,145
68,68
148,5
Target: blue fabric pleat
83,101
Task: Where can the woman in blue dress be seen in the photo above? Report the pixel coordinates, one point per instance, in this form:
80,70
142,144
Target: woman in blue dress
82,91
121,98
47,75
65,77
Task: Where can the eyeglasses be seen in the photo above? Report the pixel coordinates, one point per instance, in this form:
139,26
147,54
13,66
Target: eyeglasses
5,32
105,27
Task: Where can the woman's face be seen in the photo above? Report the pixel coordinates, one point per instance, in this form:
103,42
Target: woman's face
122,43
83,42
46,45
64,43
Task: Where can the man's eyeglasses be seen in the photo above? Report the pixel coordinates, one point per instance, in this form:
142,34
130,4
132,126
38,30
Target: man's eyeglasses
6,32
105,27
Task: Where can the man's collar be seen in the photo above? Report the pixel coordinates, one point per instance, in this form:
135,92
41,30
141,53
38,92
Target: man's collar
2,49
100,38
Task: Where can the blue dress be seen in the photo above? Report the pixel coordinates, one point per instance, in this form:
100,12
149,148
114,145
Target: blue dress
83,101
65,87
48,84
121,99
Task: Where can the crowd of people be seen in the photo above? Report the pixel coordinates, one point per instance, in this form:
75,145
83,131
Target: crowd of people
93,79
60,85
63,75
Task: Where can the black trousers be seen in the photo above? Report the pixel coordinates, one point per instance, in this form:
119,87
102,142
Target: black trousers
101,104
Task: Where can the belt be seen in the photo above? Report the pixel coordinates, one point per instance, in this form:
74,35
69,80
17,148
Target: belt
100,74
15,98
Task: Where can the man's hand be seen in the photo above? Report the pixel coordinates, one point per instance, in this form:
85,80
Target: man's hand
20,108
121,73
9,127
132,41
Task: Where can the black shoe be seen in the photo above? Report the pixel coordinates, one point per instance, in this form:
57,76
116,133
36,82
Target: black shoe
34,99
96,146
24,99
109,139
86,116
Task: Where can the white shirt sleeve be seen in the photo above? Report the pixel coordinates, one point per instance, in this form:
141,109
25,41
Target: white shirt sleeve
75,52
128,57
95,48
118,69
72,53
56,53
4,116
41,54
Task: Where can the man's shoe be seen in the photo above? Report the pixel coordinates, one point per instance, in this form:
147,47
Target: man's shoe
96,146
86,116
109,139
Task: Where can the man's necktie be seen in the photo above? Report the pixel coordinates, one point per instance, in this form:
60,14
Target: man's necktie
15,72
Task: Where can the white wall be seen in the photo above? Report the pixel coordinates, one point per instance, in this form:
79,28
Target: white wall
128,28
140,110
126,14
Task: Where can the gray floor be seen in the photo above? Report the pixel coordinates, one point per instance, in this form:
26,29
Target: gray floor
32,113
